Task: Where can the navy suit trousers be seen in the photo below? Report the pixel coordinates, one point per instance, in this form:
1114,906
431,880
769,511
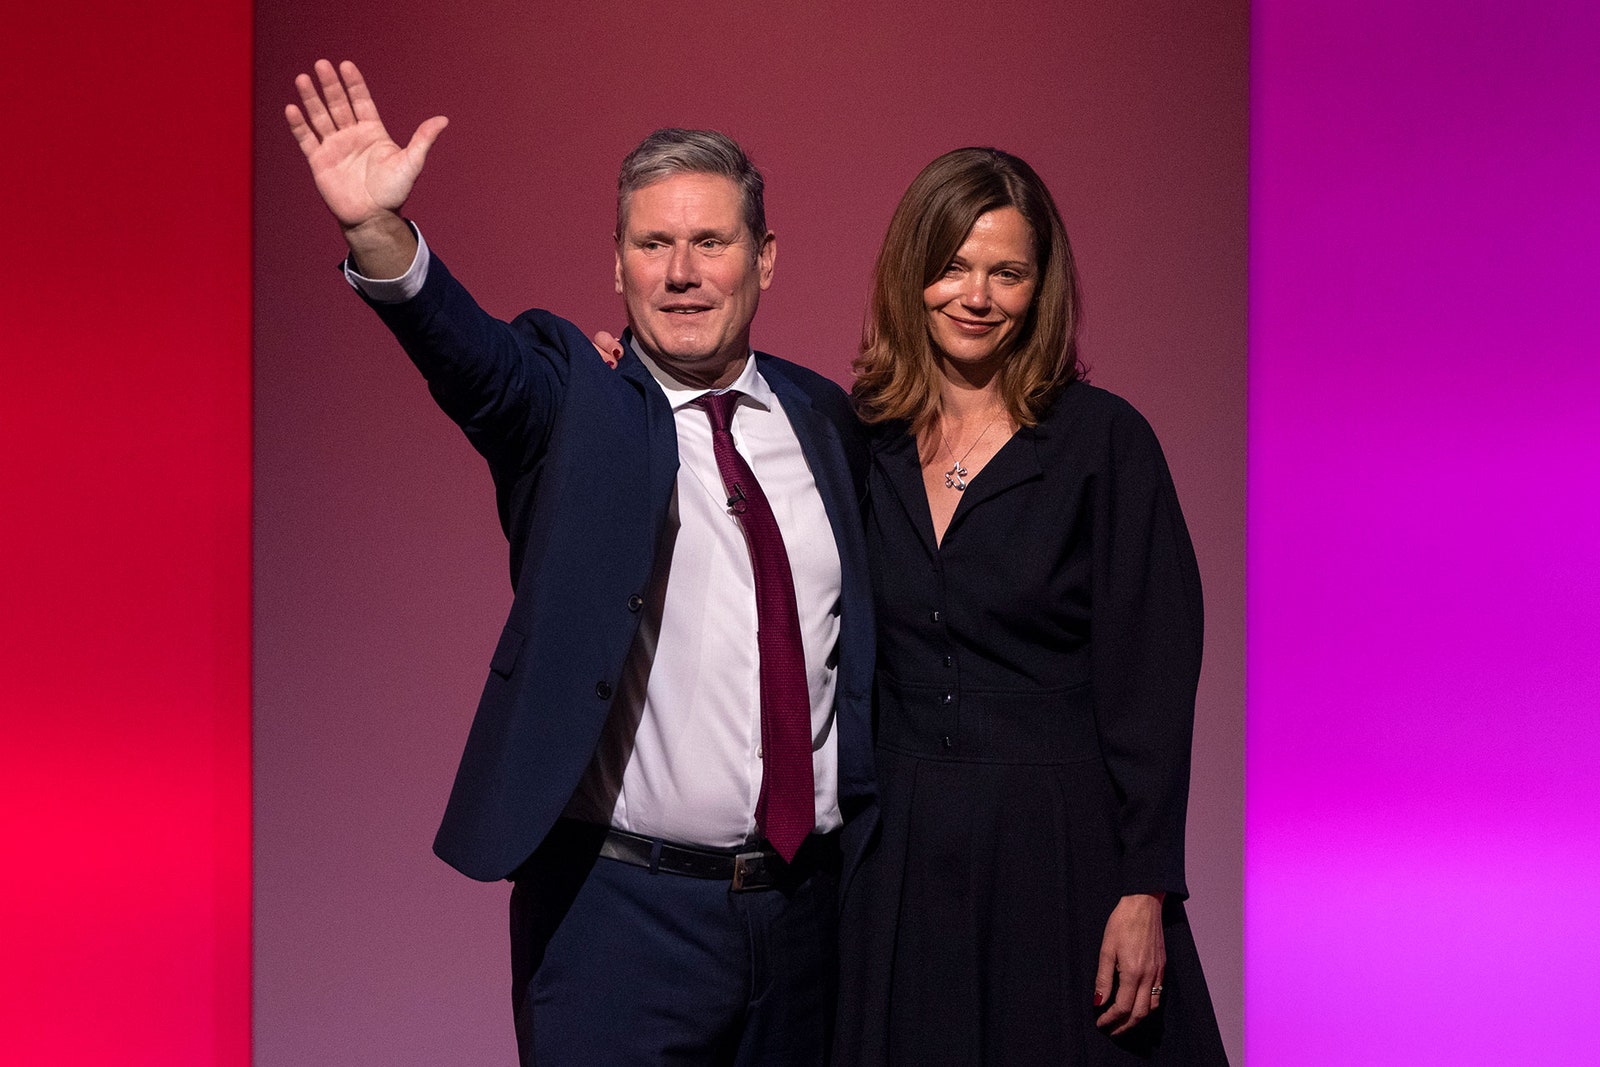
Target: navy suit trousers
614,964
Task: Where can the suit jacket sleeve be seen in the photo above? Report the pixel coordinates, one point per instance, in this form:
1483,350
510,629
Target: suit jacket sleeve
500,382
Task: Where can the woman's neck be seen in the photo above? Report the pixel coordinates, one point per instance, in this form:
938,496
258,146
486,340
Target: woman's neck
963,403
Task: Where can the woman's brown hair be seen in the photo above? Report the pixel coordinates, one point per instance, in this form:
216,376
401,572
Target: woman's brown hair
896,376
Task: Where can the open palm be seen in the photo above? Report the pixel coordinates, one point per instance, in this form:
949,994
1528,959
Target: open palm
362,174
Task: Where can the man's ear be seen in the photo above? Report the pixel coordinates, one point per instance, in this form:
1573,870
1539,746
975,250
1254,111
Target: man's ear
766,259
618,279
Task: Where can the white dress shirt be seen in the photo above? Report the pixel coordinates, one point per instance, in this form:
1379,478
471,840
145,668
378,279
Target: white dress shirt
680,757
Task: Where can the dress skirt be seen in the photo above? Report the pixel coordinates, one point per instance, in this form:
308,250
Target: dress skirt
982,910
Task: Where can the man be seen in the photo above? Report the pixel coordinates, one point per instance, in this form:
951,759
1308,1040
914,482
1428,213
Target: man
674,729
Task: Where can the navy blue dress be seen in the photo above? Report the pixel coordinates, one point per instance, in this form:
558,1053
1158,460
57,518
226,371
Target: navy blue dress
1035,705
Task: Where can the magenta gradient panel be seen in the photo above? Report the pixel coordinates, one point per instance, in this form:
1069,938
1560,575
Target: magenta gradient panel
1423,830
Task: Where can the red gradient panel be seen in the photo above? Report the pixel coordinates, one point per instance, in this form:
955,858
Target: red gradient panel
124,538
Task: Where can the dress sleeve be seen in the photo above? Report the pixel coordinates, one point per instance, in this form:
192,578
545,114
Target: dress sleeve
1146,635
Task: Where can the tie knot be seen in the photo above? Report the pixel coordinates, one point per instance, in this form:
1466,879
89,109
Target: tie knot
720,407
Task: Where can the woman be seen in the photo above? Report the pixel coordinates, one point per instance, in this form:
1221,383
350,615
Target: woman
1039,646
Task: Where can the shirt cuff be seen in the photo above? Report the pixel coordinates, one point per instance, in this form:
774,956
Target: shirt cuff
393,290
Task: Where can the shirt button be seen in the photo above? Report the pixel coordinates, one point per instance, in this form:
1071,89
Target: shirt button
602,690
938,616
635,602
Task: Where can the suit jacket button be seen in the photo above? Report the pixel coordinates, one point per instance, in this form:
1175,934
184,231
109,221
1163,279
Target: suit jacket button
602,690
635,602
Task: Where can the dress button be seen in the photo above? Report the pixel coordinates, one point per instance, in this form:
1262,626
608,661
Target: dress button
946,742
949,661
949,698
938,616
635,602
602,690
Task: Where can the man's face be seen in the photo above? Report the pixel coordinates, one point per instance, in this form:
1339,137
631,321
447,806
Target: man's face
691,275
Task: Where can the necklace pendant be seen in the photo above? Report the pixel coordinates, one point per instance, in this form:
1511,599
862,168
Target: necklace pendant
956,477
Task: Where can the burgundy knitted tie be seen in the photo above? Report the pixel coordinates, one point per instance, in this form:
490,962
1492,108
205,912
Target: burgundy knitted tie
786,810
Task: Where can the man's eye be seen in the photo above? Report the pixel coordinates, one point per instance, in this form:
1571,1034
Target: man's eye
711,244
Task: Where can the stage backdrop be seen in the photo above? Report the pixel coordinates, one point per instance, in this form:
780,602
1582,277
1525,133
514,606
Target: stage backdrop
380,573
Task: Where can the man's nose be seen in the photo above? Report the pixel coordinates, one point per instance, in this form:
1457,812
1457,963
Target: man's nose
681,267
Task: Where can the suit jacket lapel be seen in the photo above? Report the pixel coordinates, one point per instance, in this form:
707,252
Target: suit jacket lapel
661,431
819,442
824,452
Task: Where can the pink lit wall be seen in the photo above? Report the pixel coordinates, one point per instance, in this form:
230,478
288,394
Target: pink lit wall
125,535
380,572
1424,835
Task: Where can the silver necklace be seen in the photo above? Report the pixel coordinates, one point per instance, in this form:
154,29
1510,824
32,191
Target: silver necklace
956,477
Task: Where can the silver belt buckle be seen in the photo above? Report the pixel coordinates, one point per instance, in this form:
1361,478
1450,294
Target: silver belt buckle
750,872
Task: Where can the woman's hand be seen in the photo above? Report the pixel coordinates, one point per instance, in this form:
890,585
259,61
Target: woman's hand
609,347
1133,957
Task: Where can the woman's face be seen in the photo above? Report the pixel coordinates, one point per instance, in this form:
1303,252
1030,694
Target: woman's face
977,307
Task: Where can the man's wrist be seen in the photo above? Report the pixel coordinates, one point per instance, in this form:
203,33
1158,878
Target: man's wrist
382,247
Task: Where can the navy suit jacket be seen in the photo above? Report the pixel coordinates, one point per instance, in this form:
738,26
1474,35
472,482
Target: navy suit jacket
584,460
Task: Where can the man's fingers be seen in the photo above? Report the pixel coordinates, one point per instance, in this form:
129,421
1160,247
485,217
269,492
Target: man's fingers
360,97
333,92
422,140
311,103
302,133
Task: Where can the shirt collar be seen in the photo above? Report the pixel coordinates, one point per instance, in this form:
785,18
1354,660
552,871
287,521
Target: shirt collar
749,382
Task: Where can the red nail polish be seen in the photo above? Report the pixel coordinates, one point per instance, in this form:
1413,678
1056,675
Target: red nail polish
1098,1000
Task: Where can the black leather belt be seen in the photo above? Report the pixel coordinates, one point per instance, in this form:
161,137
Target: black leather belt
750,869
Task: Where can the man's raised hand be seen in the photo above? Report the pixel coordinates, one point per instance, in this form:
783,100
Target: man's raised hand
362,174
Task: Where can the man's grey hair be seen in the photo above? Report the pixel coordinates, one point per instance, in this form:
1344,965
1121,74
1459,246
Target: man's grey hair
676,151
